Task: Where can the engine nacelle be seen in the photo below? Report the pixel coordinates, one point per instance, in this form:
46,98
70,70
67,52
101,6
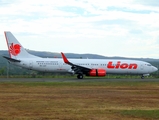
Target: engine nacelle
97,72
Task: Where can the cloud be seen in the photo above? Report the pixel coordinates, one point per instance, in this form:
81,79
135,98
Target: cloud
113,28
153,3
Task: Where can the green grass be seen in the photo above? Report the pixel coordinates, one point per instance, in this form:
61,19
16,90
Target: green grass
84,83
109,76
147,114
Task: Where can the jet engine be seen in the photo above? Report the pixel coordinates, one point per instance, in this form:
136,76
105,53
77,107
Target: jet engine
97,72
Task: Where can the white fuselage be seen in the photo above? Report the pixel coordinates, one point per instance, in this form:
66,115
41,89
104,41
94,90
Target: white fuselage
89,67
111,66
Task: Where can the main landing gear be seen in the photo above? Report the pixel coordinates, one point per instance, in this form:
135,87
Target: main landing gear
144,75
80,76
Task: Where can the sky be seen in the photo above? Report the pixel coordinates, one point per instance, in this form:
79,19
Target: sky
127,28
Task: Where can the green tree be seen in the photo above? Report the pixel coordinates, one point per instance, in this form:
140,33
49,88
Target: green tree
3,71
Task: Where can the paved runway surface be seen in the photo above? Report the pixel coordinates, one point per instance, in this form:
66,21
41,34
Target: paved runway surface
74,80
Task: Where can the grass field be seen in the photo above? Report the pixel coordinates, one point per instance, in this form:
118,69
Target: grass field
79,100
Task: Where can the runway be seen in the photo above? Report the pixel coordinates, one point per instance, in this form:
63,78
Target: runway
76,80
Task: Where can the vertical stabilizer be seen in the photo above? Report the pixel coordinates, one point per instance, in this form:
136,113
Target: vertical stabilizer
15,49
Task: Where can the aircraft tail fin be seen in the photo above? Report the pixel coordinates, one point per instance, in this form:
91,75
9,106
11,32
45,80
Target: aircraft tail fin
15,49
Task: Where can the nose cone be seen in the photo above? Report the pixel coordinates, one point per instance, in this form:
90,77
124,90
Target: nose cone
155,69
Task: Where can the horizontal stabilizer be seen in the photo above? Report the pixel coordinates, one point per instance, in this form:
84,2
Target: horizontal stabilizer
11,59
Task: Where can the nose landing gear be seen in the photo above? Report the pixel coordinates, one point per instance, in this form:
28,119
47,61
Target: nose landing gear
143,76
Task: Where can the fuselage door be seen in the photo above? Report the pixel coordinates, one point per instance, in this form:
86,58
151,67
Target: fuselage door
60,65
30,64
142,66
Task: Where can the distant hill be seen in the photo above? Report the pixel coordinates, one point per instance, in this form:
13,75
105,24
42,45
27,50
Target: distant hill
73,55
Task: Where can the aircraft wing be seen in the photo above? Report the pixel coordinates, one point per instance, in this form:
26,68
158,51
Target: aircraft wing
11,59
75,68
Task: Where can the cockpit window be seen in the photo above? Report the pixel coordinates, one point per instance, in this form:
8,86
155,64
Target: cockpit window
149,65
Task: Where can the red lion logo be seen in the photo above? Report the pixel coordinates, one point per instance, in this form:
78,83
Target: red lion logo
14,49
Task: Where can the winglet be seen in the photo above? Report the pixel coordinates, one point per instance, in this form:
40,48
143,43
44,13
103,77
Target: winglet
64,58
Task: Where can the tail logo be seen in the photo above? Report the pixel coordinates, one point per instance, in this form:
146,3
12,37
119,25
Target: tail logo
14,49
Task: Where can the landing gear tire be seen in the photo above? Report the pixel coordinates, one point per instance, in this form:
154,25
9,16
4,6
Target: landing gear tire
142,77
80,76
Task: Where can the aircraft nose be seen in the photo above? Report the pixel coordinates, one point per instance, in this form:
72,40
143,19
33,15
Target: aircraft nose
155,69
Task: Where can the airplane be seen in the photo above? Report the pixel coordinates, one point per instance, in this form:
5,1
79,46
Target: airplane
88,67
